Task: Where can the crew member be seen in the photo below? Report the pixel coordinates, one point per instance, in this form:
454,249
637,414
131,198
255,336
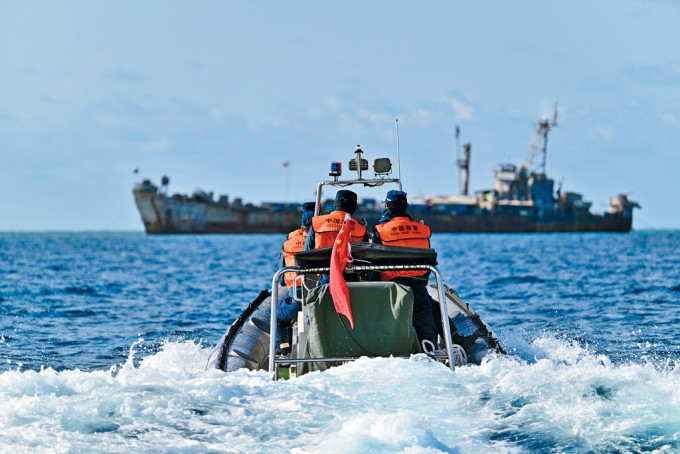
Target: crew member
401,230
287,308
325,228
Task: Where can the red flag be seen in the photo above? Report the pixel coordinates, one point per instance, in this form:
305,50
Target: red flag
342,253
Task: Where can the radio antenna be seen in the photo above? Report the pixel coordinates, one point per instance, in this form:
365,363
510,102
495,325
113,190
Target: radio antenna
398,156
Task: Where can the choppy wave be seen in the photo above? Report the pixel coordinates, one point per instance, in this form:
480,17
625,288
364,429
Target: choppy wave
591,320
565,399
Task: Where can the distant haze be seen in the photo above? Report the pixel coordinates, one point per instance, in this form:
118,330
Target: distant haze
219,95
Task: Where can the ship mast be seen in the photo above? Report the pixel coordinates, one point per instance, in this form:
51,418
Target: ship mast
458,156
462,164
466,167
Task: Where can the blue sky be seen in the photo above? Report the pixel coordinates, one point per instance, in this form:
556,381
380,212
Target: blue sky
217,95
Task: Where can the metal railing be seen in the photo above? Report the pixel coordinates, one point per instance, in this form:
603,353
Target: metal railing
372,182
273,360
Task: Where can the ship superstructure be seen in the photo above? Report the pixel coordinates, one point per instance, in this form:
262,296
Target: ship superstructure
523,199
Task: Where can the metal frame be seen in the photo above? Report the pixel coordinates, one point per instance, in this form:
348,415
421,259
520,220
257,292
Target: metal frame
273,361
373,182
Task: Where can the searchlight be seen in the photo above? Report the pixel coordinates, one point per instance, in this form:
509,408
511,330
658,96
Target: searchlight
382,166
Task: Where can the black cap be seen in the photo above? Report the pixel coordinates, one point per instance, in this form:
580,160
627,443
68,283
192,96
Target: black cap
346,200
346,195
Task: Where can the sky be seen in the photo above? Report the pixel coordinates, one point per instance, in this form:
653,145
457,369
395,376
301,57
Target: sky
218,95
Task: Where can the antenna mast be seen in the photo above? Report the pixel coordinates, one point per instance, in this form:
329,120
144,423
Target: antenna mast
398,156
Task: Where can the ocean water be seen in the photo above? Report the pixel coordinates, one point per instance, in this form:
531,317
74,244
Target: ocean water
104,339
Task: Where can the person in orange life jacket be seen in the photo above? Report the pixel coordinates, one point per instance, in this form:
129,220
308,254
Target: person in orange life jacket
375,275
325,228
400,230
287,308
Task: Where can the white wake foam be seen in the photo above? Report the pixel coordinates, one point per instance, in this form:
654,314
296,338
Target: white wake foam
569,398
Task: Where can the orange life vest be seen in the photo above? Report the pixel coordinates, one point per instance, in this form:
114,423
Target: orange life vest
401,231
294,243
327,226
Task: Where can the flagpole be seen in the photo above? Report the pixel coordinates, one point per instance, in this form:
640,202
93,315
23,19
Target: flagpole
286,165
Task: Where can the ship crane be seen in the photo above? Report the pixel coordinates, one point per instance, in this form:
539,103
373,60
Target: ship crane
540,140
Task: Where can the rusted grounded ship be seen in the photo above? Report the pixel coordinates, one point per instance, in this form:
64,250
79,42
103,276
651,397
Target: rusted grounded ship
523,200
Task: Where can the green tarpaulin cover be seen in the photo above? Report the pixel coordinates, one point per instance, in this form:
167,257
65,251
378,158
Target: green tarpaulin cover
383,324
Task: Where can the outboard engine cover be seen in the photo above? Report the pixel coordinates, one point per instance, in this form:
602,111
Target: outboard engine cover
470,333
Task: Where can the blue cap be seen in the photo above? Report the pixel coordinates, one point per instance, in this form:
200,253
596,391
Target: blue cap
308,206
395,196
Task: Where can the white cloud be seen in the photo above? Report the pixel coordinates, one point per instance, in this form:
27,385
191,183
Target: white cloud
375,117
670,119
333,102
422,117
462,111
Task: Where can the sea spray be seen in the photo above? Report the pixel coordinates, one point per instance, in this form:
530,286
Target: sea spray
569,399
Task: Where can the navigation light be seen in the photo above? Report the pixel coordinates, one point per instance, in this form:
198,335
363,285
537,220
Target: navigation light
336,169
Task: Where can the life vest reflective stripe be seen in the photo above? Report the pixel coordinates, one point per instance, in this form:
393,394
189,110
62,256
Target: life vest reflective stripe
327,226
402,231
294,244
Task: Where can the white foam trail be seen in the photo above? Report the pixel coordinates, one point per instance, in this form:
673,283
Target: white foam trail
569,399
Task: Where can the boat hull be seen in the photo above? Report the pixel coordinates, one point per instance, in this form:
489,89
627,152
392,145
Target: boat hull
245,345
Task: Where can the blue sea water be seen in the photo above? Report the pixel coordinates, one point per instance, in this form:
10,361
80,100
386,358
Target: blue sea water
104,339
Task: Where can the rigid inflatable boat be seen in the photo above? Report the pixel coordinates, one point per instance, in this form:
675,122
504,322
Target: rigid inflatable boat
382,310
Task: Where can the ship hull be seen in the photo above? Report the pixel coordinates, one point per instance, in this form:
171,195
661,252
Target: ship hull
169,215
503,223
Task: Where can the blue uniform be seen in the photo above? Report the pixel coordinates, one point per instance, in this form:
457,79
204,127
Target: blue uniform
288,308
